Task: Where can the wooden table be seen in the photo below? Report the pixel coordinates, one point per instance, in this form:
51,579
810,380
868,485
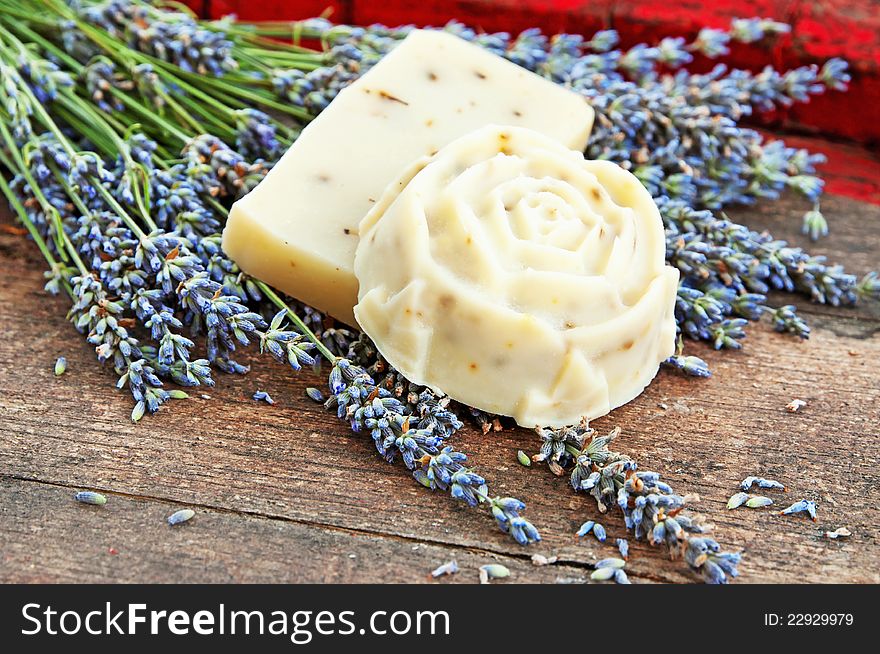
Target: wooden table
287,493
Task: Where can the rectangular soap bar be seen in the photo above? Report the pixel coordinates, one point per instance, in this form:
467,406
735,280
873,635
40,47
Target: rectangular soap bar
297,230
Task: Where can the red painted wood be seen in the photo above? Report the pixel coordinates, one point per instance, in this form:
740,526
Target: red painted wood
848,29
851,170
840,28
339,10
512,16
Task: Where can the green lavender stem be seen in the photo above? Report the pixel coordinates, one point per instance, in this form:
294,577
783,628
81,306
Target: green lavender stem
297,321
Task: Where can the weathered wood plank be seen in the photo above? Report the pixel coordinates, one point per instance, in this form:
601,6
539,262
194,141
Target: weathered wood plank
52,539
246,463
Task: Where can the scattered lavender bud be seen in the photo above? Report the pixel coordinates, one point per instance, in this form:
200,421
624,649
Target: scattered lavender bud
315,394
758,501
138,411
737,500
181,516
60,366
523,458
90,497
493,571
448,568
690,365
762,483
496,570
610,563
801,506
540,559
748,482
623,547
599,532
620,577
264,396
814,223
795,405
585,528
841,532
603,574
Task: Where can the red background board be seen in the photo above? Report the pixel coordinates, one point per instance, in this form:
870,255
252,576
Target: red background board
830,28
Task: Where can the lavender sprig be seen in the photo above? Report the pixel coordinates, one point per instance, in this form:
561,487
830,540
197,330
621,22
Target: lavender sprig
414,429
679,134
650,508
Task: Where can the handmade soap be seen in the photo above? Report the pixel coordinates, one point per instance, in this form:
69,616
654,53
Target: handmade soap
297,230
517,277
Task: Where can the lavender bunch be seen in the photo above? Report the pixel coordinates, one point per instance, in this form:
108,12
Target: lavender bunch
134,239
679,133
650,508
416,430
130,238
413,426
173,37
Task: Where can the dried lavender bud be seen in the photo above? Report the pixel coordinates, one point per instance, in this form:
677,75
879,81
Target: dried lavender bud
737,500
801,506
494,571
263,396
448,568
622,547
609,563
620,577
758,501
592,527
100,77
748,482
179,517
315,395
585,528
795,405
603,574
749,30
174,37
60,366
90,497
690,365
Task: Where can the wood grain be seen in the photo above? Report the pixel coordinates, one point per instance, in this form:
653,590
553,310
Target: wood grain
128,540
287,493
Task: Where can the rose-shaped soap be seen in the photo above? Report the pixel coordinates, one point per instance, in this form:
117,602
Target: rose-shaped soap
519,278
